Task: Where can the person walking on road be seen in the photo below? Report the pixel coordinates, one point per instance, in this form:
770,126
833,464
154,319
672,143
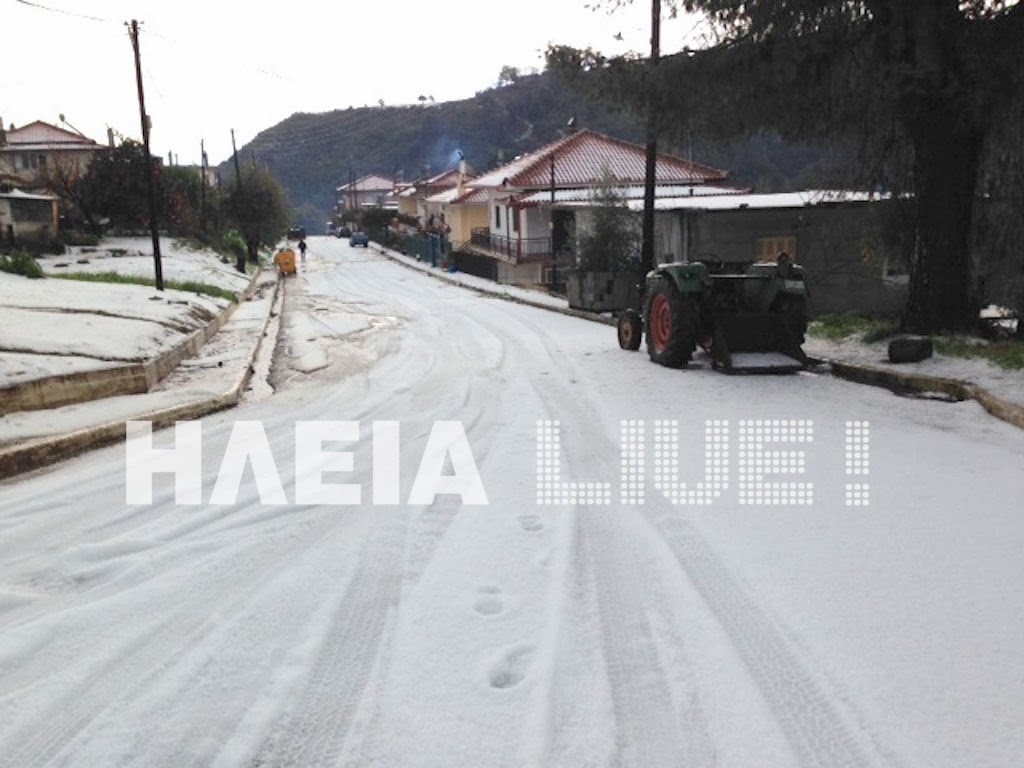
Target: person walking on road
302,249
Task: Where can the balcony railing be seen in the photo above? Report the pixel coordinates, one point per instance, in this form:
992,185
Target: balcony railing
516,250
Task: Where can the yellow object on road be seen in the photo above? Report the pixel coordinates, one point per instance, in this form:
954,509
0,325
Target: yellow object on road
285,260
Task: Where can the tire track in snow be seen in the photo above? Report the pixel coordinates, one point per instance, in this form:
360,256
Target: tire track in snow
658,723
129,666
315,730
814,728
658,726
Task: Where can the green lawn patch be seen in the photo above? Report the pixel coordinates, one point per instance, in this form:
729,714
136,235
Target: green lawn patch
849,326
1007,354
187,286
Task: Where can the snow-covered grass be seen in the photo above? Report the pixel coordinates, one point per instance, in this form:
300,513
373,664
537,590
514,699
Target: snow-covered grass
177,285
109,313
133,257
1004,353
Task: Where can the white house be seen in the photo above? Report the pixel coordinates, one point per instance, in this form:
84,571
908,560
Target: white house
526,231
31,157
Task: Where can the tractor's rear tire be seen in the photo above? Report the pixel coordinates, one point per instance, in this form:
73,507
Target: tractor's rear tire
672,323
631,329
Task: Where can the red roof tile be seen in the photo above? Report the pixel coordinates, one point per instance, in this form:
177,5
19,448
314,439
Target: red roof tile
371,183
581,159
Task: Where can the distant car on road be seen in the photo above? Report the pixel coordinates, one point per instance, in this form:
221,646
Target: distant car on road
343,231
297,233
359,238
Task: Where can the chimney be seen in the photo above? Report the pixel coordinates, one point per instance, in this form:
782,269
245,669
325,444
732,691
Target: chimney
3,134
460,185
110,137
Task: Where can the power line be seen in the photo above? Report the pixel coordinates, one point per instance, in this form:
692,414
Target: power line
42,7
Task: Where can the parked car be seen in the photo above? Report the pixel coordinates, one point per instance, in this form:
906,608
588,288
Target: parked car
331,228
343,231
359,238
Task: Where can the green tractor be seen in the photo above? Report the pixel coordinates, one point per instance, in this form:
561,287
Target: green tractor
747,316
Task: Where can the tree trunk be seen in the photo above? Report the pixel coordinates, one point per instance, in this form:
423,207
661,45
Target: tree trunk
946,157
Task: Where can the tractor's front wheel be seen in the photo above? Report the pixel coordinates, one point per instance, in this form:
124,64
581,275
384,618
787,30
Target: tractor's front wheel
672,322
630,330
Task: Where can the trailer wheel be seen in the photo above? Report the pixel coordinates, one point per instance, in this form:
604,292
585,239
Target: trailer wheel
671,325
630,330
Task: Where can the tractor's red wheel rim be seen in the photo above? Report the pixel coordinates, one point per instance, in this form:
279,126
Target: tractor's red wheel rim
626,332
661,321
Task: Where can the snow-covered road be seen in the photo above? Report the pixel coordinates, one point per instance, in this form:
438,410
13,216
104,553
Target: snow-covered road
740,600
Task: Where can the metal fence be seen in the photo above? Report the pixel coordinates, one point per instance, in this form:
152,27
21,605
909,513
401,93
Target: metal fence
515,249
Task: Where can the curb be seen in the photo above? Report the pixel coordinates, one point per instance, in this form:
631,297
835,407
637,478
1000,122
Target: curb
896,381
127,379
579,313
24,457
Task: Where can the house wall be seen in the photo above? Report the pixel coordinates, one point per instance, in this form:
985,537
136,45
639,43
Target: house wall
498,218
520,274
364,198
407,206
27,220
851,261
536,222
32,168
463,219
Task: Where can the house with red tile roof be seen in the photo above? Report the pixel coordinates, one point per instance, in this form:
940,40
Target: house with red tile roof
433,193
524,224
32,154
369,191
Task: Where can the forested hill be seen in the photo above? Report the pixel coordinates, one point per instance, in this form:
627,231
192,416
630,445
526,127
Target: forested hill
313,154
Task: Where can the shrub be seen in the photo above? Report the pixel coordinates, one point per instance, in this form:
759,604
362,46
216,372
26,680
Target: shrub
21,263
609,239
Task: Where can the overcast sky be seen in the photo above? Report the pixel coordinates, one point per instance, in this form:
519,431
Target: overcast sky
209,67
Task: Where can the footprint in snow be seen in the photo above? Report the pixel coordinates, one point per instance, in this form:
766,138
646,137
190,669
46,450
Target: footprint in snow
511,669
531,523
489,601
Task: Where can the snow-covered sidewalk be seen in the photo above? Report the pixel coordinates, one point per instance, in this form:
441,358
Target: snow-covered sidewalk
77,359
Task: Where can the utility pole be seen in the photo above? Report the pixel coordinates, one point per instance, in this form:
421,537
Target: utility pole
150,185
240,261
202,186
234,153
551,224
647,244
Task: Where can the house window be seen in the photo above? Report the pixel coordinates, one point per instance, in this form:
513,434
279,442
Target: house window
513,215
32,162
768,248
497,217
